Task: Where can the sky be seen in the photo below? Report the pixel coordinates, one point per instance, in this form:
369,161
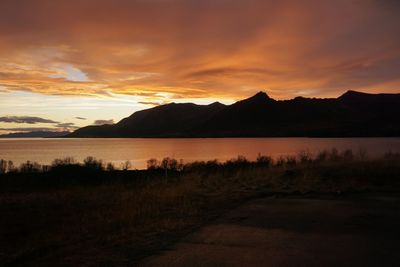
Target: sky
69,63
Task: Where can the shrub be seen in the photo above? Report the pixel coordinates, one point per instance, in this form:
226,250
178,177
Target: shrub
152,164
291,160
10,167
322,156
197,165
6,166
63,162
305,157
30,167
348,155
280,161
93,164
180,165
265,161
169,164
239,162
110,167
3,166
46,168
334,154
126,165
362,154
212,164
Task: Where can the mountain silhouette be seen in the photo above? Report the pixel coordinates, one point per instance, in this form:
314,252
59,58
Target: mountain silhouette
171,120
351,114
35,134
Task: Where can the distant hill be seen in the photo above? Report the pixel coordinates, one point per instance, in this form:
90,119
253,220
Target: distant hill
171,120
352,114
43,134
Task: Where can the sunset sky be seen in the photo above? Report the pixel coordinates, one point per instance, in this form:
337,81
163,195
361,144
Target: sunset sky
71,63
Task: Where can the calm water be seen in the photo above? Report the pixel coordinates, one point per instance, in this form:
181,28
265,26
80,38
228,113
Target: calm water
138,151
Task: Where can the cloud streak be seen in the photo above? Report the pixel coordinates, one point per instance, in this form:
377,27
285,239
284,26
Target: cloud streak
25,119
103,122
30,129
67,126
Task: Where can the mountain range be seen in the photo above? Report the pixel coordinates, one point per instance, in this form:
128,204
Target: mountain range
350,115
35,134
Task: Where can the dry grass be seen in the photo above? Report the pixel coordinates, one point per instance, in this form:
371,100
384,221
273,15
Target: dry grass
119,223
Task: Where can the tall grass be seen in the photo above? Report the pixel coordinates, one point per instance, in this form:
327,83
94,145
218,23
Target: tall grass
91,214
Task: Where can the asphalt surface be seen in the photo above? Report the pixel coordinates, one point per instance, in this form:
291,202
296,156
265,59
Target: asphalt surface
356,230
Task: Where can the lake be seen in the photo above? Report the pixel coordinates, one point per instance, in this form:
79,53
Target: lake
138,150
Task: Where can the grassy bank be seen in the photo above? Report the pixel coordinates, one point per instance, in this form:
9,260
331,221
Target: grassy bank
91,213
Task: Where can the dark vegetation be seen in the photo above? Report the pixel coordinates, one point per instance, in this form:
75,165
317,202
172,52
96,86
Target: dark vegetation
352,114
98,214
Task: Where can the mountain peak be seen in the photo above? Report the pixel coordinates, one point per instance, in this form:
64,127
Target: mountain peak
216,104
261,98
352,93
261,95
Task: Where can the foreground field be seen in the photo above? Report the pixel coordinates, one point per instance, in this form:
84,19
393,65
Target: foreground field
72,215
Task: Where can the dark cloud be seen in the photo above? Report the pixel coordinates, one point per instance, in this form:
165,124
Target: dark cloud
102,122
80,118
231,72
28,129
67,125
153,103
25,119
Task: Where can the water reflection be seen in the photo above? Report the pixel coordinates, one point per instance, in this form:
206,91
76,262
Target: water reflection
138,151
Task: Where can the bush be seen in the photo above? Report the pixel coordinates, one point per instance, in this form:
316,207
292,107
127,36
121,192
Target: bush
291,160
239,162
280,161
63,162
6,166
152,164
10,167
3,166
126,165
362,154
110,167
169,164
305,157
93,164
30,167
348,155
264,161
322,156
334,155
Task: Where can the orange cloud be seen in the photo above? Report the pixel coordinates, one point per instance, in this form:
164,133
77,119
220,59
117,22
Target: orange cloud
170,49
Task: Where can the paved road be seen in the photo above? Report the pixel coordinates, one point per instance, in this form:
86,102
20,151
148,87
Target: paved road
362,230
